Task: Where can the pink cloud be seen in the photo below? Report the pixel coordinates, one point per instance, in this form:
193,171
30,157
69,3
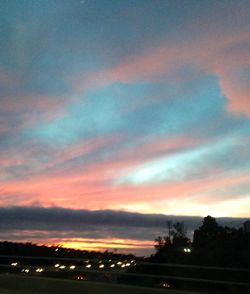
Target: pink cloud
93,187
220,55
38,102
29,155
238,97
31,110
163,145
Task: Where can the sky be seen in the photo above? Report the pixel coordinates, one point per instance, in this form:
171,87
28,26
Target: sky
123,106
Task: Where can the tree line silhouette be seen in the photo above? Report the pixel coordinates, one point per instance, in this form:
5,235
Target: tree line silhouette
212,244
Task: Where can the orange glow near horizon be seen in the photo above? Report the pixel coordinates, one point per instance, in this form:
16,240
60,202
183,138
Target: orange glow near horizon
110,244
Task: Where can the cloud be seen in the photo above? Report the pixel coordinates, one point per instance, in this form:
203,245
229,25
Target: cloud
127,109
91,229
61,219
170,168
175,170
218,55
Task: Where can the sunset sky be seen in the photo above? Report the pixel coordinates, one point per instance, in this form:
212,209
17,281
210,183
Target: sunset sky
135,106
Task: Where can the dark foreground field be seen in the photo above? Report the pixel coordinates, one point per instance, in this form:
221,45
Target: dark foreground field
12,284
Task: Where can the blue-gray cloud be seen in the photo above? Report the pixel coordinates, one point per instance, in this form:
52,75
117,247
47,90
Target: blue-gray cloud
38,218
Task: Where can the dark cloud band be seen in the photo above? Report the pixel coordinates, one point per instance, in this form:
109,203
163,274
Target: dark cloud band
55,218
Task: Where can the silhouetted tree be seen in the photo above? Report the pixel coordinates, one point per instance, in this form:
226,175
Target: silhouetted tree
224,246
176,236
179,238
208,233
170,248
